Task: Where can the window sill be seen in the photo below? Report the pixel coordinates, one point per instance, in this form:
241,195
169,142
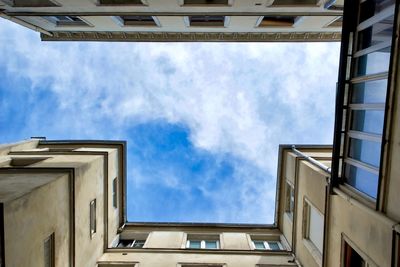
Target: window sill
317,255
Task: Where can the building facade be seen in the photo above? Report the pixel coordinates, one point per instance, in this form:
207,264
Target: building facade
179,20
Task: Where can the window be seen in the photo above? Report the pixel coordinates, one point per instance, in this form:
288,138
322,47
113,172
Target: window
276,21
206,2
397,251
120,2
289,205
202,241
31,3
207,21
201,265
66,20
49,257
135,243
267,245
294,3
364,86
138,21
352,258
92,217
313,227
115,192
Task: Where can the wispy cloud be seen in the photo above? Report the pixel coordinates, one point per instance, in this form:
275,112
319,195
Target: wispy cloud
236,100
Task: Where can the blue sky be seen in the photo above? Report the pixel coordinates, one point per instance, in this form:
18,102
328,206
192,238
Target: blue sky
203,121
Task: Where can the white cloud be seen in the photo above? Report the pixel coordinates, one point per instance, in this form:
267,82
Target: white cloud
237,99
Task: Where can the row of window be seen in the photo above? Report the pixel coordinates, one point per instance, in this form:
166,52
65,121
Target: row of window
206,243
214,3
190,21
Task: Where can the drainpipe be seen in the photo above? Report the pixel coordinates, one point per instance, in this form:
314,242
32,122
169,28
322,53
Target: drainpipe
311,160
25,24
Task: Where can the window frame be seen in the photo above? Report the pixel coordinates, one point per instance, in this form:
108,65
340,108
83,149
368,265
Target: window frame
183,4
290,199
203,238
126,23
188,24
347,241
143,3
56,22
313,248
12,3
267,246
92,218
115,192
282,24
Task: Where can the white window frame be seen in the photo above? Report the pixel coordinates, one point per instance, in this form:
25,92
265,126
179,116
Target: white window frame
315,251
202,243
266,244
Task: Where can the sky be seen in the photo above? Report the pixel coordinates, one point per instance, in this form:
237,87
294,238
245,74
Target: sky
203,121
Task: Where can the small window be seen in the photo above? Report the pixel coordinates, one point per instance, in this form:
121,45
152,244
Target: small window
206,2
352,258
267,245
313,227
120,2
92,217
207,21
202,241
66,20
115,192
201,265
138,20
49,257
277,21
289,205
135,243
294,3
397,251
32,3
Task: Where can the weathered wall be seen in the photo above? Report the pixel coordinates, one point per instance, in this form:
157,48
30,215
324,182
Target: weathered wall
369,232
30,219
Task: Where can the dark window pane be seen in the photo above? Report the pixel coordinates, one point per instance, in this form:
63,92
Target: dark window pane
138,244
259,244
195,244
370,121
205,2
211,244
369,92
366,151
274,246
371,7
374,62
120,2
362,180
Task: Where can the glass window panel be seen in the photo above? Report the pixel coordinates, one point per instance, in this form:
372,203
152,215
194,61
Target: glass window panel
370,121
369,92
194,244
371,7
352,258
138,243
374,62
362,180
273,245
211,244
376,34
316,234
259,244
366,151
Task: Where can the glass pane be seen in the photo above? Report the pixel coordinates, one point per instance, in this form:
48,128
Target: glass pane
369,121
273,245
362,180
138,244
366,151
211,244
375,62
371,7
352,258
259,244
369,92
195,244
316,234
379,32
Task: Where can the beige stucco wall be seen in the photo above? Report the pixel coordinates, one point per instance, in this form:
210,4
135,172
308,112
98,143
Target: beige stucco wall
166,239
369,233
30,219
89,180
311,186
171,259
